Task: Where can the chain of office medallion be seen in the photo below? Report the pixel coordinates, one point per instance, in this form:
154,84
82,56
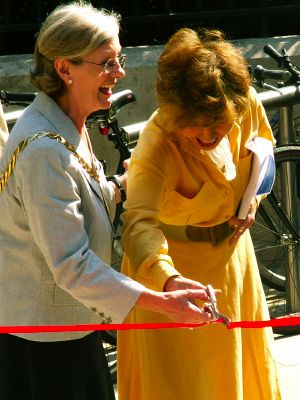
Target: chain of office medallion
60,139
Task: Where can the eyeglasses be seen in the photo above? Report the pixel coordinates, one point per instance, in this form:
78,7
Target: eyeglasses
110,64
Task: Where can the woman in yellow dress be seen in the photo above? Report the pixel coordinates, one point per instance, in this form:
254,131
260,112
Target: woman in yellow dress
186,179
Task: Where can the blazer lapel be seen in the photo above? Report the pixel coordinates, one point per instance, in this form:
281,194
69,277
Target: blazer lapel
63,125
95,186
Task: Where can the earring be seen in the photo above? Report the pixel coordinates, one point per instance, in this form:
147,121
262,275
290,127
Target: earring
70,82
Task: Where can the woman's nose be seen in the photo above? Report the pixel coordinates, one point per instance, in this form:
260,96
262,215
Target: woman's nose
118,71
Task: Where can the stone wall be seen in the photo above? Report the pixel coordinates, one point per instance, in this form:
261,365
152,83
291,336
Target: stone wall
140,78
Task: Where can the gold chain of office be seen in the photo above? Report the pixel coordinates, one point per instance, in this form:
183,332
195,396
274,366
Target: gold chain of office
6,174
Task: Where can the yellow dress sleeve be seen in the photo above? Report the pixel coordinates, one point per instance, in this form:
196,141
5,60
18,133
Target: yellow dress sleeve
145,245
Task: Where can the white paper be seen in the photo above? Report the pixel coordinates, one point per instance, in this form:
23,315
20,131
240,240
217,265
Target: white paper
262,175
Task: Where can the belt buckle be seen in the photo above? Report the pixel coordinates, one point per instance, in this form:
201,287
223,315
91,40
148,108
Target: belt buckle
219,233
216,234
197,233
212,232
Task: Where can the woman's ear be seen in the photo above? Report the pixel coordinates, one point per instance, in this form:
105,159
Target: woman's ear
62,67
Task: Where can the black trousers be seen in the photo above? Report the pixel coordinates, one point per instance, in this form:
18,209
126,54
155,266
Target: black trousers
68,370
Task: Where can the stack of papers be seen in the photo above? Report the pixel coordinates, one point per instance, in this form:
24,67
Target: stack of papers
263,171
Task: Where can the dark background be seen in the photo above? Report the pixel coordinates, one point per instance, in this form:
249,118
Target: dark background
148,22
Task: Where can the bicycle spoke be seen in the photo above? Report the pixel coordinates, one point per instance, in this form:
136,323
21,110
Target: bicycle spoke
276,236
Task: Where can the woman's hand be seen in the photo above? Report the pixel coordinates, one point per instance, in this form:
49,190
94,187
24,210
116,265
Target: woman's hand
121,180
178,305
126,164
179,300
242,225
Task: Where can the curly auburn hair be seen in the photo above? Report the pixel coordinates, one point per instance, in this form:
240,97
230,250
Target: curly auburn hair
203,77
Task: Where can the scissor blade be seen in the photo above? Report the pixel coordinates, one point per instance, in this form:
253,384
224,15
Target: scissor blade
225,320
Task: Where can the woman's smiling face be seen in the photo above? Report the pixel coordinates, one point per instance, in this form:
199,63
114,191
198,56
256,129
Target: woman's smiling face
92,83
207,138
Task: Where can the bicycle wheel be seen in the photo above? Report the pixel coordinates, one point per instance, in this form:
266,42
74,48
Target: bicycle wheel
297,129
276,236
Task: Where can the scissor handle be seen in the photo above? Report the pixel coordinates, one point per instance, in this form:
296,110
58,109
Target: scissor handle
212,295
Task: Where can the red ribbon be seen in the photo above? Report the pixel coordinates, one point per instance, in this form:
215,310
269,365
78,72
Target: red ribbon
274,323
279,322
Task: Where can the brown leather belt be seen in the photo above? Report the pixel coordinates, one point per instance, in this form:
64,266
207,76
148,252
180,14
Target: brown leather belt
213,234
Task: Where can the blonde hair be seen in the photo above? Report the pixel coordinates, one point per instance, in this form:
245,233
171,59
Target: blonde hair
71,31
203,77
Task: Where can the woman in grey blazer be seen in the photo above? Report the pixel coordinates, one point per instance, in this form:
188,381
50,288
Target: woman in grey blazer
56,210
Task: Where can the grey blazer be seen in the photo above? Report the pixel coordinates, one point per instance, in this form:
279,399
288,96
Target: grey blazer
3,129
55,234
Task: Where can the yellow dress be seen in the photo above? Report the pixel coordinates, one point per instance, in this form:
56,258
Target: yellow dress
171,181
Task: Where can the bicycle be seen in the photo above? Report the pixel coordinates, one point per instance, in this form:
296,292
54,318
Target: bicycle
275,233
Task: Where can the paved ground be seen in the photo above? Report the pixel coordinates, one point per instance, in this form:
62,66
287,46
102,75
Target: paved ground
287,353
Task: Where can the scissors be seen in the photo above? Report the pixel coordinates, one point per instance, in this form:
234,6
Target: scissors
211,307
